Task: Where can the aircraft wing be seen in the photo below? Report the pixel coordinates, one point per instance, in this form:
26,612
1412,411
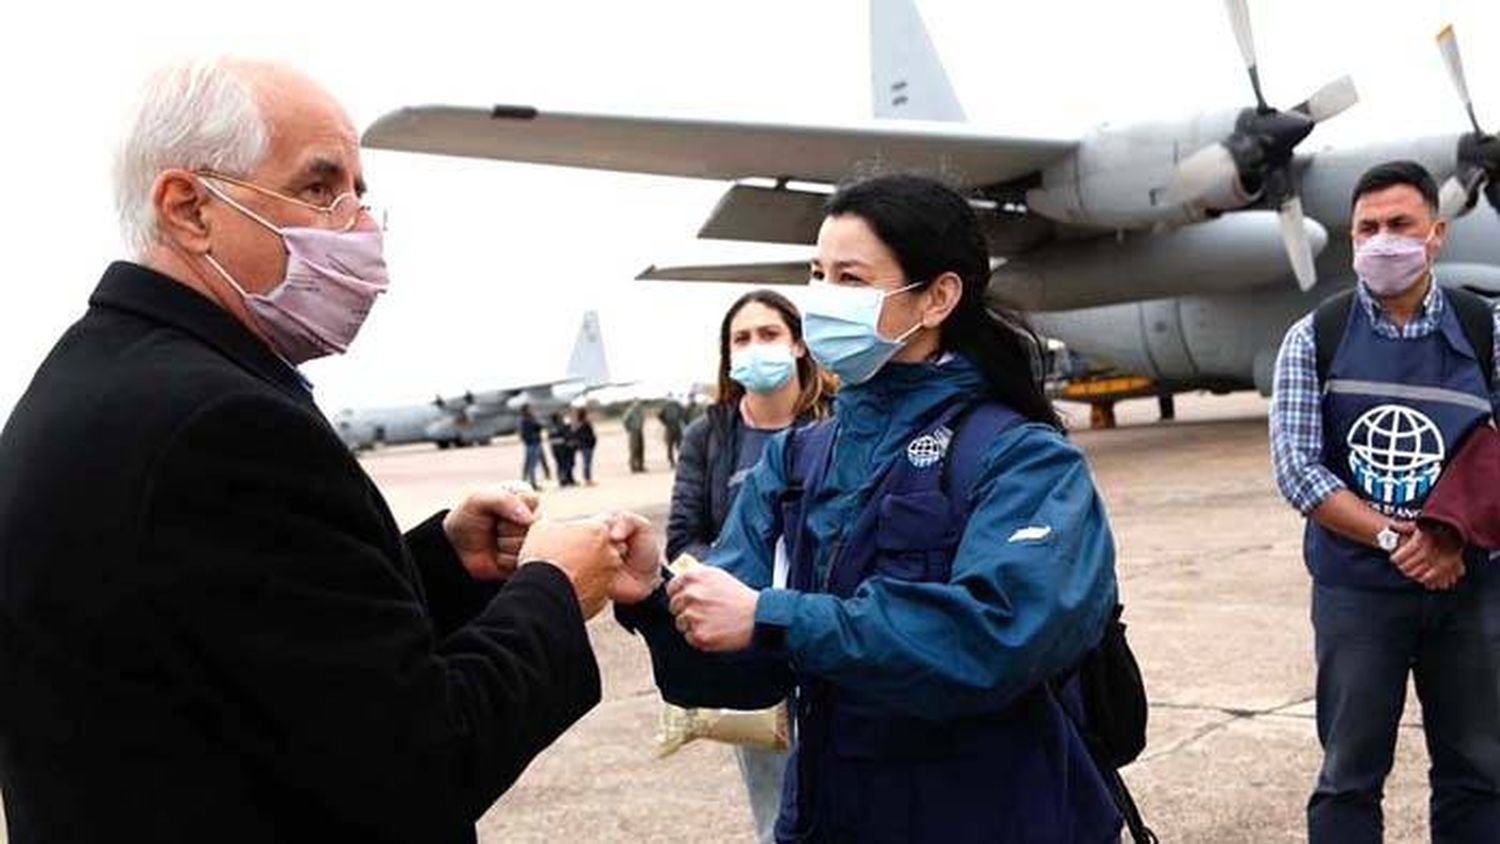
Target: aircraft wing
772,272
538,386
713,149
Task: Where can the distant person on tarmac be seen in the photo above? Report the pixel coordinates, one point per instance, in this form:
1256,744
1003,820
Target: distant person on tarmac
1374,392
560,435
585,439
695,409
767,383
671,415
635,424
531,442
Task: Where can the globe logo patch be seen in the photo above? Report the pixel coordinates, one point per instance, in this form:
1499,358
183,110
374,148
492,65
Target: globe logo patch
928,449
1396,454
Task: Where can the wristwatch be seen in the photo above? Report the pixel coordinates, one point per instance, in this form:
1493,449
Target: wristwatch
1387,539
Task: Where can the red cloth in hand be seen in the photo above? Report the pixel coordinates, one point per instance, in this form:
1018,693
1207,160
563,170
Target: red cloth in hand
1467,496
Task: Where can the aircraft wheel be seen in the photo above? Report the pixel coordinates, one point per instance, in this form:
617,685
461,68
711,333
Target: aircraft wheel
1166,403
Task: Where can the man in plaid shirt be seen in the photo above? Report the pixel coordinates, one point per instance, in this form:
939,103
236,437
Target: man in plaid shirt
1356,449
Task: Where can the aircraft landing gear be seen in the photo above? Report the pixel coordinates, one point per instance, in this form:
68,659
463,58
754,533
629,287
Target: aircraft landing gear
1102,415
1167,403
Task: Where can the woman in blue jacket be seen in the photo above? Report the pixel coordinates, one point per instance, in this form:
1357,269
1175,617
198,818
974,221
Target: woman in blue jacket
947,554
767,382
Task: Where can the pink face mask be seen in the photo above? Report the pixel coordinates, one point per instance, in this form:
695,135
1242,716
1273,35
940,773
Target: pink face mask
332,280
1389,264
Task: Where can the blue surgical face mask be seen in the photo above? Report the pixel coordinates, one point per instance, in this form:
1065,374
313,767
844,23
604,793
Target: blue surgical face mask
840,325
763,367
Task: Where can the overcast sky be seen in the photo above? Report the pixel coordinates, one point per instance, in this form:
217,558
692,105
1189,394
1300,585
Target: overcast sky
493,264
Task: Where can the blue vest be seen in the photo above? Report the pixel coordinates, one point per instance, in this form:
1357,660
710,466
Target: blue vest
1394,410
861,773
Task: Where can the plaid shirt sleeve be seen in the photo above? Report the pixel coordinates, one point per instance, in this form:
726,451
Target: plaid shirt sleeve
1297,423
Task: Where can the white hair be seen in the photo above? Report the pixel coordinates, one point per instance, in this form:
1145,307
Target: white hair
193,115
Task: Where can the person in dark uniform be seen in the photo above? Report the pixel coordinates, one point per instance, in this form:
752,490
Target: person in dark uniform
634,422
211,628
670,415
531,442
586,440
560,437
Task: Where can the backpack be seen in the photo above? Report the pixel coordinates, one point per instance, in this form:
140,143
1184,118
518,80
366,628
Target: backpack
1108,678
1475,315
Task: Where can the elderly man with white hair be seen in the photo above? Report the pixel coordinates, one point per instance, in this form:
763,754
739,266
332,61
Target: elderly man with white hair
210,627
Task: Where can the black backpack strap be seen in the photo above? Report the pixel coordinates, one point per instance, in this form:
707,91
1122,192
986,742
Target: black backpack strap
1129,811
1329,323
1477,318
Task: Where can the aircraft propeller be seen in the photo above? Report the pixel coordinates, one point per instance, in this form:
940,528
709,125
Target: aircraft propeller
1478,151
1258,153
458,405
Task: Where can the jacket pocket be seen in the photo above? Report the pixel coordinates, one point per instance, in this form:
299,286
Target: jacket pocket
915,537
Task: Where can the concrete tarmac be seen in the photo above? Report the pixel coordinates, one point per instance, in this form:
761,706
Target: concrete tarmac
1216,601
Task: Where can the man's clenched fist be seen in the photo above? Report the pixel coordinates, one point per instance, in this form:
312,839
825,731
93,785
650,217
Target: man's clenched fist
583,550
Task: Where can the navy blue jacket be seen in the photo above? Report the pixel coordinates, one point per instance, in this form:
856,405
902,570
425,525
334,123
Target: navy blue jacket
1032,582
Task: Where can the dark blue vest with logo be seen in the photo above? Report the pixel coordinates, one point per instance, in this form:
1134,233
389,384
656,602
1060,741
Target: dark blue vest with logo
1394,411
861,773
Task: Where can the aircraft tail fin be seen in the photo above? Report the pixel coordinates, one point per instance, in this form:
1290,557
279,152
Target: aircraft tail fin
907,76
588,363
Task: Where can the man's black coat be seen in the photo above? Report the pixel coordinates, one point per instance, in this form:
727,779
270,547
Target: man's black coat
211,628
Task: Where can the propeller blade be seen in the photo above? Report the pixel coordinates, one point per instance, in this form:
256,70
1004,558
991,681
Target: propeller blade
1298,246
1239,21
1330,101
1453,199
1200,172
1448,45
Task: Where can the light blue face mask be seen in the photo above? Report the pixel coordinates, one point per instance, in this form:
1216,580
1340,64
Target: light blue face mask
763,367
840,325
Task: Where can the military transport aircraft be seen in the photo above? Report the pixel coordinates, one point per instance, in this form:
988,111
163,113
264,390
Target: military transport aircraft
475,418
1177,251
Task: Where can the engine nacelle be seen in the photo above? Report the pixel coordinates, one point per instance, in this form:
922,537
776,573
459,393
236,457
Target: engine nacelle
1118,177
1198,342
1234,252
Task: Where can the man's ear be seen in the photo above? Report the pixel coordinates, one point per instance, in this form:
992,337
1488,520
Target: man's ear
1439,233
943,297
180,200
